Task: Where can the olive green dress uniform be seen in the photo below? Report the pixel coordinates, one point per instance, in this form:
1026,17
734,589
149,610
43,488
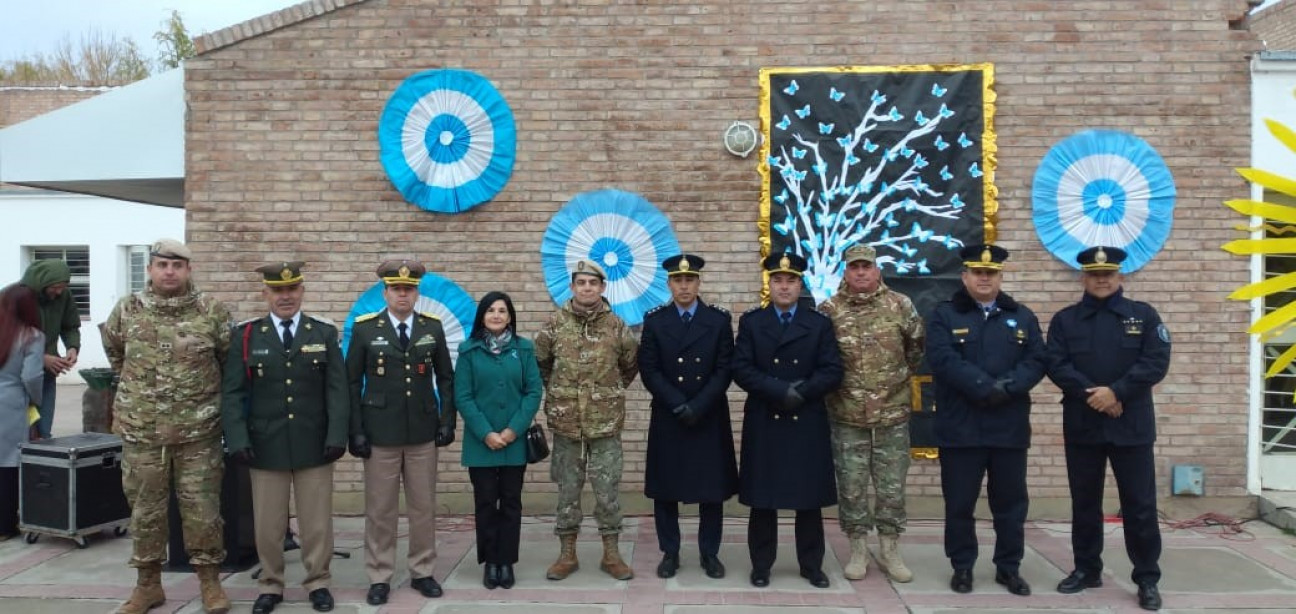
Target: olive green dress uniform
395,406
287,405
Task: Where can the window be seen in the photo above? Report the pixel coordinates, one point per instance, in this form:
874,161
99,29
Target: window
1278,433
78,259
137,257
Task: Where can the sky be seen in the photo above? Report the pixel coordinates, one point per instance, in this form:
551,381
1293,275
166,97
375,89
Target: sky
37,26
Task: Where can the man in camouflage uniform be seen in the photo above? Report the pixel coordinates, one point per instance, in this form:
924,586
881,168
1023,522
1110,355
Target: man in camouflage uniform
167,344
881,340
587,357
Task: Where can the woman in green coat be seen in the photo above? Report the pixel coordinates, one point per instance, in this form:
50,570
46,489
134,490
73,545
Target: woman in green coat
497,390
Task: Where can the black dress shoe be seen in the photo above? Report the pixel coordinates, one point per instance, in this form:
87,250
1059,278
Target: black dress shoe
1078,581
817,577
1149,597
265,603
321,599
961,581
668,565
428,587
1016,585
760,579
377,593
491,577
712,566
506,577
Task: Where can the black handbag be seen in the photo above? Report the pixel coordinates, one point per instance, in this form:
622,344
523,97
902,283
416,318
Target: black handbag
537,447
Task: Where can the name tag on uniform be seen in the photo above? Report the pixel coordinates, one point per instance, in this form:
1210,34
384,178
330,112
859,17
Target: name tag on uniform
425,340
260,352
313,347
960,331
379,341
1133,326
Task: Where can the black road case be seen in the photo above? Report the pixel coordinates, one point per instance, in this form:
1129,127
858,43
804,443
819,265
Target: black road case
72,487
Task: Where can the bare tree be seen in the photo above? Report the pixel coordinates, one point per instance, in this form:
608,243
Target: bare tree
97,58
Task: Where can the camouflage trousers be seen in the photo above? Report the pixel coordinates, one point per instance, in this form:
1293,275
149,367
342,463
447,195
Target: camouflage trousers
882,454
599,459
196,469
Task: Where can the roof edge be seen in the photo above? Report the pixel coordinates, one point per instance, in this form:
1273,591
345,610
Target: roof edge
267,23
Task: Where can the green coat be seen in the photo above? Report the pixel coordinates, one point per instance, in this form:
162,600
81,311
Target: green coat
59,317
393,401
295,401
494,392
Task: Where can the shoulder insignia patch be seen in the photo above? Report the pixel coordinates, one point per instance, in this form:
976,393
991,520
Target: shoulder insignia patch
656,309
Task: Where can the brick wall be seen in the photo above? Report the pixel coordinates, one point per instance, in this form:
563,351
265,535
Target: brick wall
21,103
1276,26
282,159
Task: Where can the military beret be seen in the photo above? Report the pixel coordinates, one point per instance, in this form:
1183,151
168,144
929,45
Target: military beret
588,267
982,256
1101,258
402,272
784,263
282,273
170,249
683,264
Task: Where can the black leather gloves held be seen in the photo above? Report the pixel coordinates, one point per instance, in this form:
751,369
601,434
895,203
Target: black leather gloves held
686,415
332,453
445,435
360,447
244,456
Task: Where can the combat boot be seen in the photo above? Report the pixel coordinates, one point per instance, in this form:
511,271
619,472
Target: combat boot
213,596
890,562
857,568
148,591
566,563
612,563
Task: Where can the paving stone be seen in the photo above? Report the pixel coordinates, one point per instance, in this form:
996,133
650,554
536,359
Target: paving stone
1204,570
487,607
932,569
534,560
57,606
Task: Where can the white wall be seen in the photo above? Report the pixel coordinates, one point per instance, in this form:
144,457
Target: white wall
105,225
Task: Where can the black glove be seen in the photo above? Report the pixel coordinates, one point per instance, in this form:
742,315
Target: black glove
999,394
445,435
244,456
685,414
332,453
360,447
792,399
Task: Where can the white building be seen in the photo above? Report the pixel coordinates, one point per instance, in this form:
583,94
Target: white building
124,144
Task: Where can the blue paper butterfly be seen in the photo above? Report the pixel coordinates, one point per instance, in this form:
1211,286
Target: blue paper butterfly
803,112
878,97
825,128
937,90
940,143
945,174
791,89
782,197
783,125
835,95
798,153
844,141
974,170
963,140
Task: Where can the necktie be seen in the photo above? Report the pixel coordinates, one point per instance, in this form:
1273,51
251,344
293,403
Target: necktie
786,318
404,335
287,334
988,309
687,317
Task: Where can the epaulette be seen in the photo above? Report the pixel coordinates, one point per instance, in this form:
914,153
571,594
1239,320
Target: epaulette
247,321
754,309
719,308
657,308
815,310
368,316
323,320
429,315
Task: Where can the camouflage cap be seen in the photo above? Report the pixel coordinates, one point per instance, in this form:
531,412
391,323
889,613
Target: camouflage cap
588,267
170,249
858,252
282,273
402,272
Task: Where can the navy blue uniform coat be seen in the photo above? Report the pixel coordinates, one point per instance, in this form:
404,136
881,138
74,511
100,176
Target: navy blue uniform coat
968,352
1117,343
786,455
679,364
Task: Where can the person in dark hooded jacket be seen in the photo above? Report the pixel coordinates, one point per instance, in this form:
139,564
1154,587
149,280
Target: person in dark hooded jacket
59,319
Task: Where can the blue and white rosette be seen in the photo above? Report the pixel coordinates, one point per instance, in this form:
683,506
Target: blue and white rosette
1103,187
447,140
623,233
437,295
